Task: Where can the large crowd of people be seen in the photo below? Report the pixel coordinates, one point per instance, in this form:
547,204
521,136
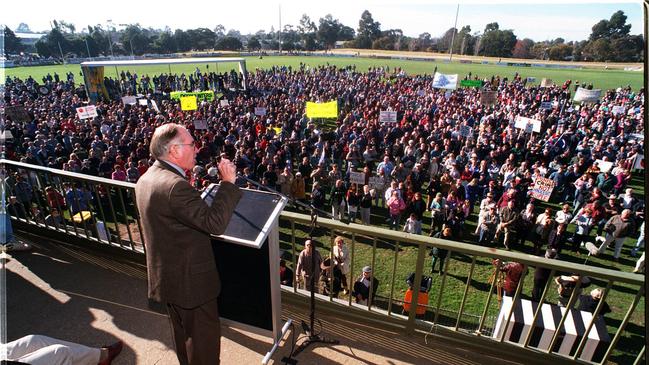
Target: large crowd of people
448,156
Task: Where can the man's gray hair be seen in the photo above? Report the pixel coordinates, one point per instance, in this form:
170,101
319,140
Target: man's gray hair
162,138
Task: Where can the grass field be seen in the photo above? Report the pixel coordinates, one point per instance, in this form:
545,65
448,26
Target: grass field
605,79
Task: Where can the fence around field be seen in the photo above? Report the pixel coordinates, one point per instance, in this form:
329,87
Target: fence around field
104,211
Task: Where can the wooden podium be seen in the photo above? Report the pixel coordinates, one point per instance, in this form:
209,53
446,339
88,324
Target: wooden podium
247,258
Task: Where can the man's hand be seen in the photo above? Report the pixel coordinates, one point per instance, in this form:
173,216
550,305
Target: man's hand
227,170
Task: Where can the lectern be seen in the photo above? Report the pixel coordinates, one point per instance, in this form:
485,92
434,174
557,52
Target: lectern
247,257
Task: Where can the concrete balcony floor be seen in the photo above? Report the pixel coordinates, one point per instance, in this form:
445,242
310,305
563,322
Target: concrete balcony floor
94,298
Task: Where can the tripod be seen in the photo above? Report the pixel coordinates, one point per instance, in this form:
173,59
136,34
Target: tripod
499,277
312,336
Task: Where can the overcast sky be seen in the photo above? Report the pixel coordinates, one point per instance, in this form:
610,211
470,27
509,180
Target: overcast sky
535,20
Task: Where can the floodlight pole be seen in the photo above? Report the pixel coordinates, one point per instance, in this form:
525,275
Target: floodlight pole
279,31
450,58
110,38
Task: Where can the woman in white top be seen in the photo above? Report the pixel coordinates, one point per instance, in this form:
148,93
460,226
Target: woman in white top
342,260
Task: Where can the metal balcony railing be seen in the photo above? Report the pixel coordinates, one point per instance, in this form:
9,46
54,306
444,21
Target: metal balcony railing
104,211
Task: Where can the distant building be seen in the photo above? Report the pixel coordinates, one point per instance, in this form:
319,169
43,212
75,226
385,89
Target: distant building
29,39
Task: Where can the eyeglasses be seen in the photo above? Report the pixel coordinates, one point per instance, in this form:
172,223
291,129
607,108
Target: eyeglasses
185,144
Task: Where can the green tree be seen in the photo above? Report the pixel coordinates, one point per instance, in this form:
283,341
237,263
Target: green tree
328,31
307,31
496,42
560,52
254,44
12,43
598,50
182,40
368,30
614,27
165,43
229,44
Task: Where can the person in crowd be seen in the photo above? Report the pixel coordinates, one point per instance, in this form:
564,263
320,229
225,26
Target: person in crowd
582,222
617,229
544,225
365,287
337,200
395,206
639,244
567,284
589,303
508,217
513,273
330,281
353,201
365,205
438,210
298,188
285,274
306,269
542,275
487,224
557,237
342,260
526,222
412,225
317,196
439,254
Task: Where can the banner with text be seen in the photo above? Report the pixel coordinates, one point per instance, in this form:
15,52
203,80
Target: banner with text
86,112
188,103
388,116
260,111
200,95
488,97
542,189
442,81
587,95
322,110
528,124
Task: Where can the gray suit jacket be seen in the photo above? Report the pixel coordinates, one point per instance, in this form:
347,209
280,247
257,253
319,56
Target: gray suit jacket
176,225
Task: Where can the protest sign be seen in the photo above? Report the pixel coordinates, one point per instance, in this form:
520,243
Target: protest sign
442,81
143,102
421,92
17,113
639,162
587,95
200,124
531,79
200,95
466,131
388,116
376,182
155,106
322,110
542,189
618,109
604,166
528,124
224,102
546,105
471,83
356,177
129,100
546,82
188,103
86,112
488,97
260,111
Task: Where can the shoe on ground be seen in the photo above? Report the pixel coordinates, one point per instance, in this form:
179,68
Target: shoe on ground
113,351
15,246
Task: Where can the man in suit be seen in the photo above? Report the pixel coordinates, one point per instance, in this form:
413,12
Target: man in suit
177,225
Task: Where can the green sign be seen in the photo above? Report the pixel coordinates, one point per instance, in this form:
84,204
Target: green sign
471,83
200,95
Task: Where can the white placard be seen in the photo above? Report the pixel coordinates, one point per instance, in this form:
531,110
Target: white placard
587,95
618,109
129,100
155,106
466,131
86,112
528,124
604,166
388,116
224,102
259,110
376,182
546,105
142,102
442,81
200,124
531,79
357,177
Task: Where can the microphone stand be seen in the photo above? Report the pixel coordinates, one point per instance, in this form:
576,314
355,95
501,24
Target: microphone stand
312,336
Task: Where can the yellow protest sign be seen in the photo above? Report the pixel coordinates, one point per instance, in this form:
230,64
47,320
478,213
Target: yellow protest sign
322,110
278,130
188,103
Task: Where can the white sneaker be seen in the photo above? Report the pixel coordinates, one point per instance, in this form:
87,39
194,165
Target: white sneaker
17,246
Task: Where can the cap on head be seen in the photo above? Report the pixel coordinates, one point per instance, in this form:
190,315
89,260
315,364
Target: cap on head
367,269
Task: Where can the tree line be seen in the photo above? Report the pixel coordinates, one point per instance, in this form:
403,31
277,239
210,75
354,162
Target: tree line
609,40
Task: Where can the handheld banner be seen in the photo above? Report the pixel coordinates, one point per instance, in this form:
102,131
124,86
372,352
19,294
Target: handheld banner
86,112
587,95
542,189
188,103
322,110
442,81
528,124
388,117
471,83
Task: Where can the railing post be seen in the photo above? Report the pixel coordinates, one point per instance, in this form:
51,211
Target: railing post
442,285
466,291
623,324
350,275
538,309
295,273
416,285
394,276
571,302
582,343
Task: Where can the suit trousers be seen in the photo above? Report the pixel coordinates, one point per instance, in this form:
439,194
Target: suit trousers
197,333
